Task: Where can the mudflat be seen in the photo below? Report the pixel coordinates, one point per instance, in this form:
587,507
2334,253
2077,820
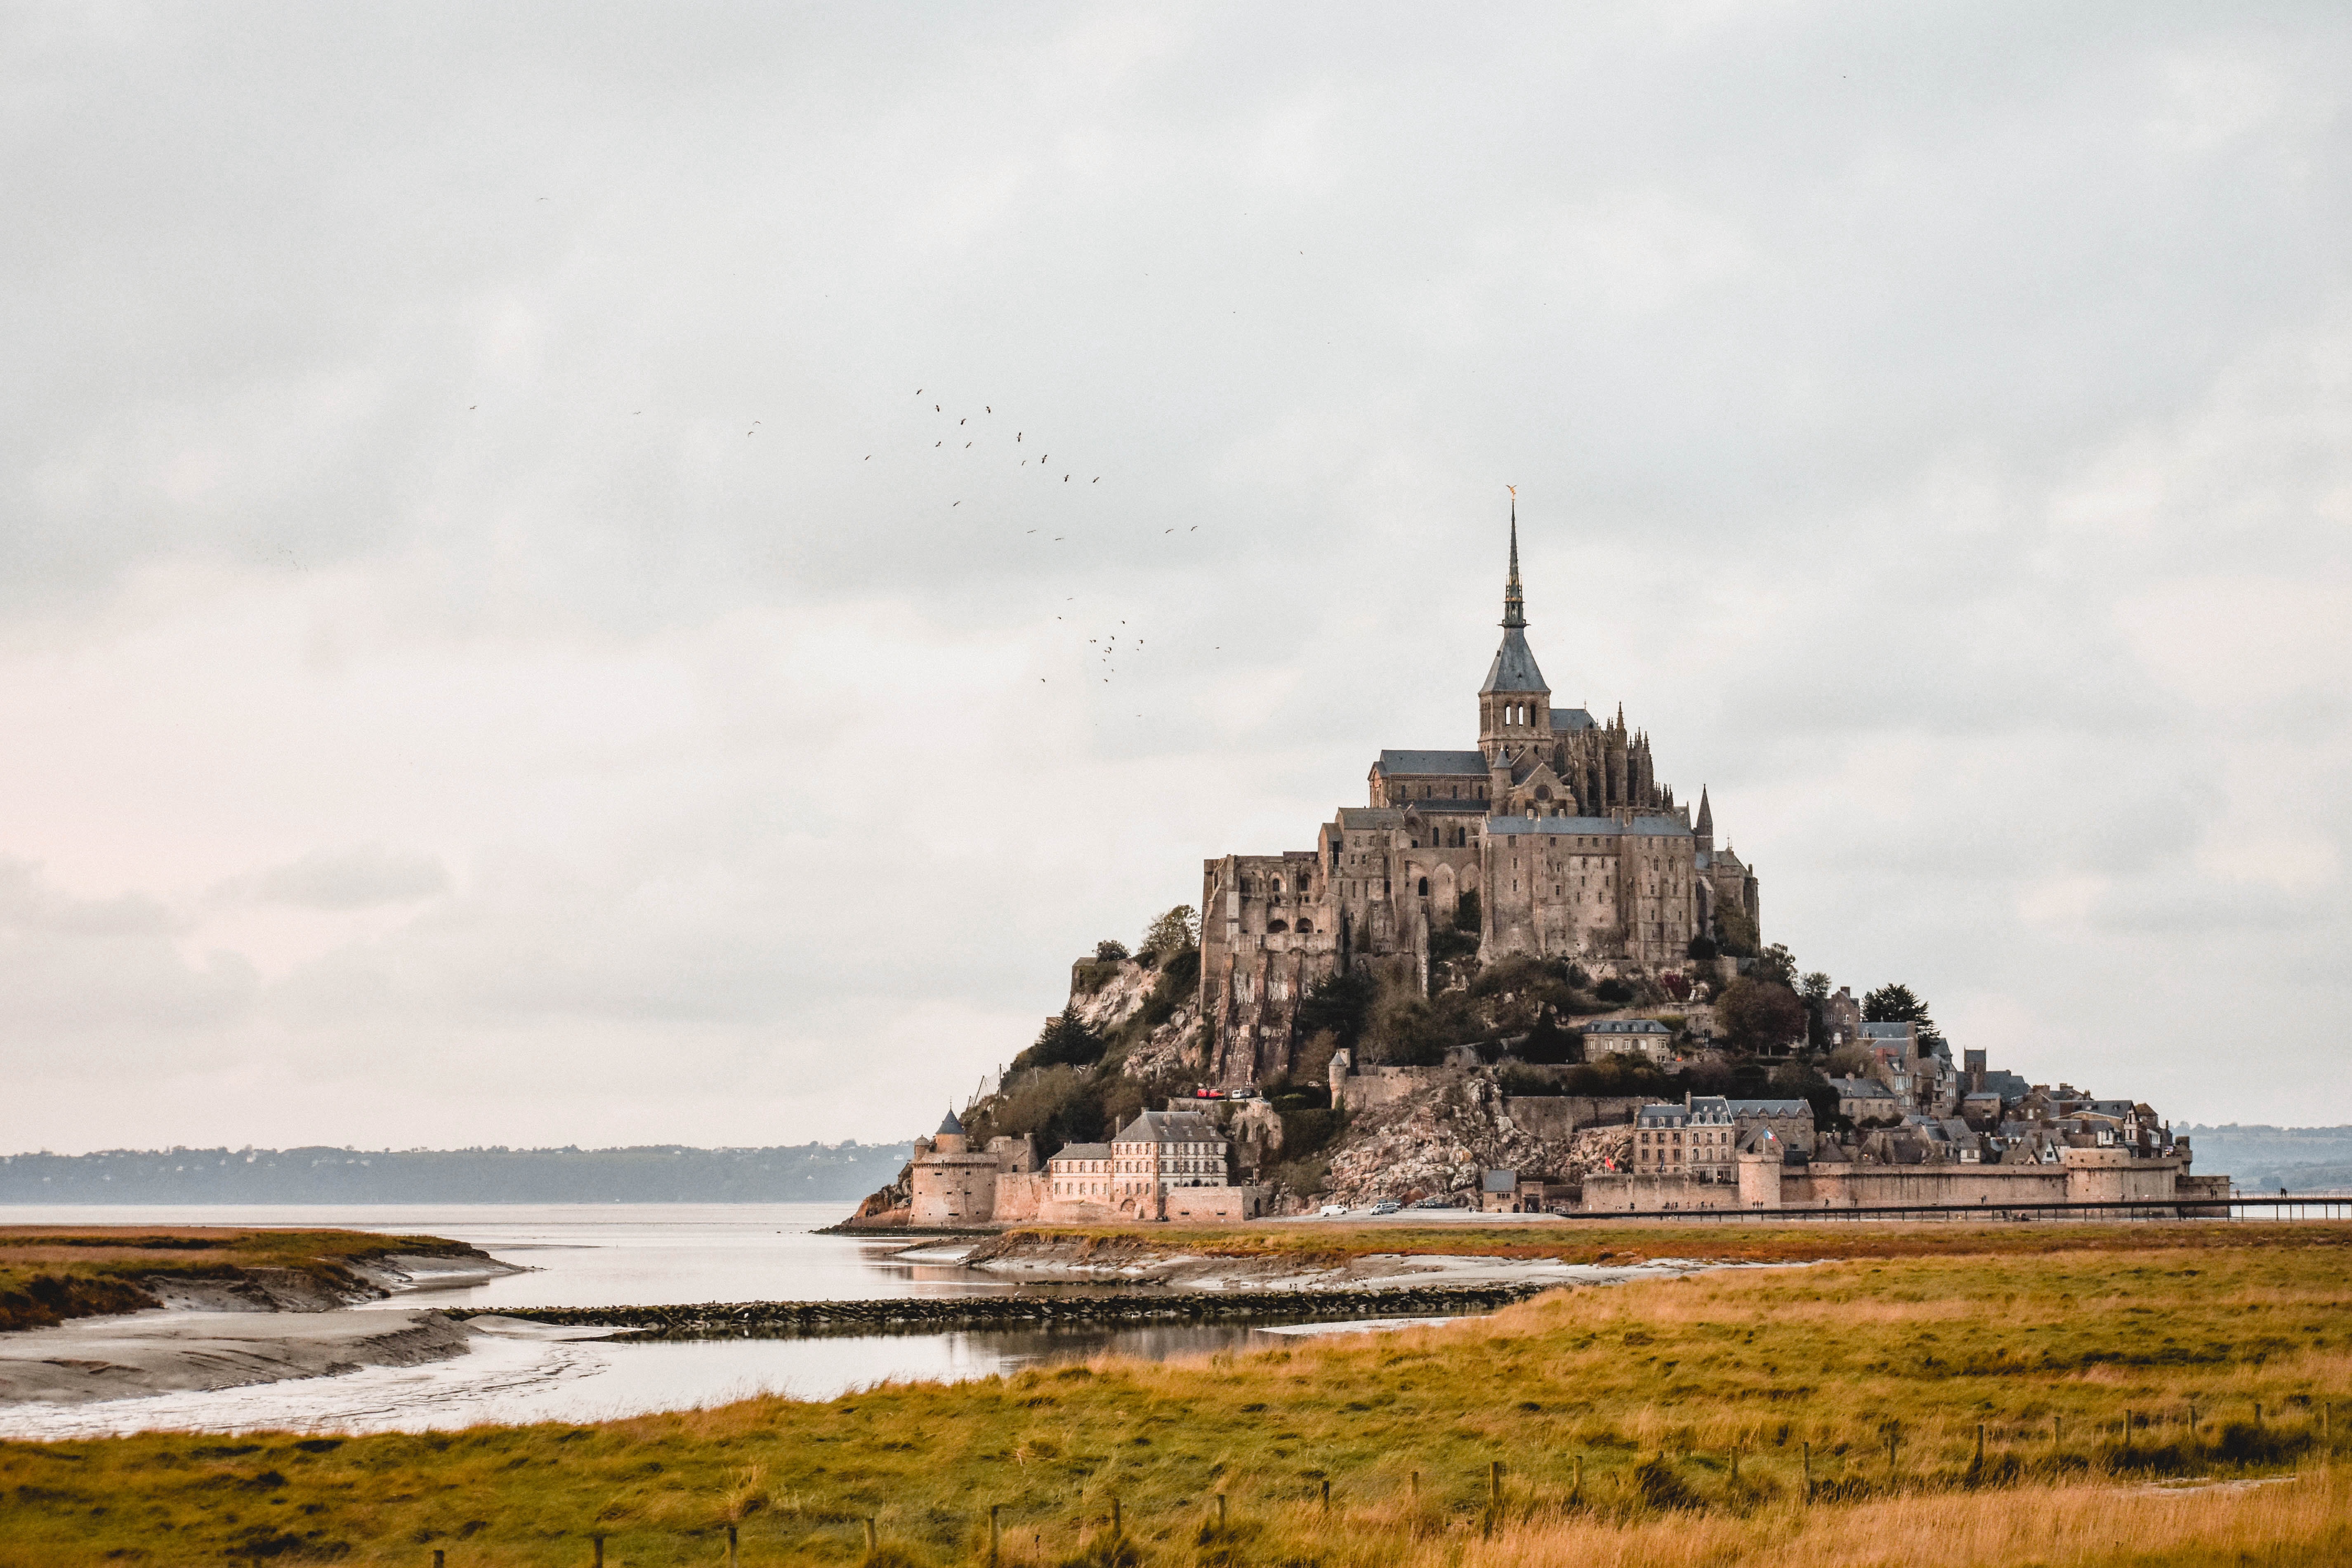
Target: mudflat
162,1351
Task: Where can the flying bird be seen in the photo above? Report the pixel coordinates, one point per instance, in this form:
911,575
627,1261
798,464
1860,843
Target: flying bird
1096,480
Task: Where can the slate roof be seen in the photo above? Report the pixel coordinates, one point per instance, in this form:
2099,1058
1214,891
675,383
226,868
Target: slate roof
1501,1182
949,1124
1472,764
1772,1107
1083,1151
1889,1031
1359,818
1626,1027
1571,720
1169,1127
1514,668
1473,807
1507,825
1861,1089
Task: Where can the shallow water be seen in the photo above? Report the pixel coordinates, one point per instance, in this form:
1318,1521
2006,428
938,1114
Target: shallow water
604,1255
615,1255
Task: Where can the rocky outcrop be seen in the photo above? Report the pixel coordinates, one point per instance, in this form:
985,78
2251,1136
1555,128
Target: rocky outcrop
1438,1141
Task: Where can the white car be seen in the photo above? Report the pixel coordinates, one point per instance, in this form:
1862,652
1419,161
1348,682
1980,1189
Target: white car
1329,1209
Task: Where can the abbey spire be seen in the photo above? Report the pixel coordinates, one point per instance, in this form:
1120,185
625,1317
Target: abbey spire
1515,609
1514,705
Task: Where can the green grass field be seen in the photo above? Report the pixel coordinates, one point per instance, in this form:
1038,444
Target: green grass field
1616,1413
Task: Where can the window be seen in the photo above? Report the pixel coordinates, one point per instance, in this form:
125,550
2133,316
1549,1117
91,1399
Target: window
1424,887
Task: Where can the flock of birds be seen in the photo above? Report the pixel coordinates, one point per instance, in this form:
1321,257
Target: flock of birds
987,436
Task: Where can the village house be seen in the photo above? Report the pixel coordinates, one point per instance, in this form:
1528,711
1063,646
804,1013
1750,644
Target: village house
1645,1037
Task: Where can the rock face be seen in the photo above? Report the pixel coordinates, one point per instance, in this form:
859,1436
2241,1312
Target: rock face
1439,1141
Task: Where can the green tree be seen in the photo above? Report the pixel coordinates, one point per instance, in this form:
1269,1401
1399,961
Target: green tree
1064,1041
1734,931
1172,932
1775,965
1897,1003
1338,1005
1110,950
1759,1016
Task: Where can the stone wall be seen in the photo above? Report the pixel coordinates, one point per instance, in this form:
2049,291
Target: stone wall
2087,1175
1557,1115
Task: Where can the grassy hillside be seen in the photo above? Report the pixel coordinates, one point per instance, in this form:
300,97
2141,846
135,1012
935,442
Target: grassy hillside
1615,1411
50,1273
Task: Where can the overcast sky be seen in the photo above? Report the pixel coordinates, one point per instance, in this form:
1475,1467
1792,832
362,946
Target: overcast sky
495,647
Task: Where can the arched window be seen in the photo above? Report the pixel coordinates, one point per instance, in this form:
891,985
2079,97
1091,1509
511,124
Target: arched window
1424,887
1278,887
1276,925
1306,927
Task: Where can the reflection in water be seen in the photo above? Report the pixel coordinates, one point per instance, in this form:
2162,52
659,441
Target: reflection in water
604,1255
615,1255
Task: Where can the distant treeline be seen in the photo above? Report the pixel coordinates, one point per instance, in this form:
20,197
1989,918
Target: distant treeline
2263,1159
803,1173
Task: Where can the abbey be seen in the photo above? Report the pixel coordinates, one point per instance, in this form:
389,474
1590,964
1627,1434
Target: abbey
1557,824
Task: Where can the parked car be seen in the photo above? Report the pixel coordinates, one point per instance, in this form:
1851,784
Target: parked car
1386,1205
1329,1209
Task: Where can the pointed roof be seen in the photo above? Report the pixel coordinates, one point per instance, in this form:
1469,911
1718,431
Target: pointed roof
1514,610
1706,812
1514,669
950,1125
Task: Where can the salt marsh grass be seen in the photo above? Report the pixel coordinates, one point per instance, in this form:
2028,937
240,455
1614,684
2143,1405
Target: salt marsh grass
1945,1407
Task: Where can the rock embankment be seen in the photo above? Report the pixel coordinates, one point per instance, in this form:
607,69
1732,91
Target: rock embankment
763,1319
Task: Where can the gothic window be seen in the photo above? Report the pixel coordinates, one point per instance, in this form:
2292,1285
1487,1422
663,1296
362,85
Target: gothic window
1424,887
1305,928
1276,926
1278,887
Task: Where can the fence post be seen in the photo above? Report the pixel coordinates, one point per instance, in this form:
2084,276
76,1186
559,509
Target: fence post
730,1546
1416,1483
2193,1421
1979,1464
1577,1494
1494,1484
993,1535
600,1549
871,1542
438,1561
1326,1494
1809,1472
1117,1524
1890,1456
1221,1510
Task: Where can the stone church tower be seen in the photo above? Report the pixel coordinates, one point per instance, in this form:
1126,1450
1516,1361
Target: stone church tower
1556,824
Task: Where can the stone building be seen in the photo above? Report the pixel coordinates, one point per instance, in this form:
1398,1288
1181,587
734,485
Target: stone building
1692,1139
1556,821
954,1185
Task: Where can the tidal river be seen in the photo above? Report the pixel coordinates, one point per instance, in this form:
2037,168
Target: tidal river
611,1255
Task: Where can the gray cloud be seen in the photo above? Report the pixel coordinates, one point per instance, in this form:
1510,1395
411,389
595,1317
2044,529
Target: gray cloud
1935,425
